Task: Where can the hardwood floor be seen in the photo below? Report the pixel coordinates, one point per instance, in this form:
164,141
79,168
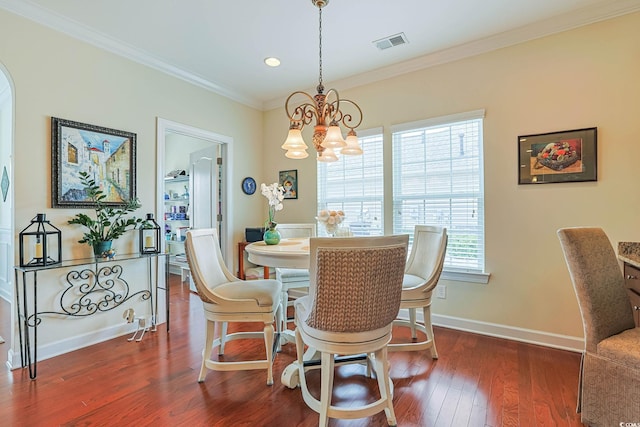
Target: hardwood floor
478,381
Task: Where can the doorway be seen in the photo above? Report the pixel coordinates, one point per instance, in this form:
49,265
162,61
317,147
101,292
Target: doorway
188,139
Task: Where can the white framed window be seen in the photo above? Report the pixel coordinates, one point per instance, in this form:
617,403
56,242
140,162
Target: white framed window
438,180
354,185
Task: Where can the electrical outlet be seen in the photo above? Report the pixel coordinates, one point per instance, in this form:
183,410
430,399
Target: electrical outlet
441,291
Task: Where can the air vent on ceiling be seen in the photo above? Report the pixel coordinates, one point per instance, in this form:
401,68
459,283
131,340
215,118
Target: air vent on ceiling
391,41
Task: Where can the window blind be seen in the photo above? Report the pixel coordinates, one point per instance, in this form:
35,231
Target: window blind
438,180
354,185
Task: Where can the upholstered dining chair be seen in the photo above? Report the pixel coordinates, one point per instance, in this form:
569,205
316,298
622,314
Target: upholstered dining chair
354,296
228,299
609,387
293,278
422,273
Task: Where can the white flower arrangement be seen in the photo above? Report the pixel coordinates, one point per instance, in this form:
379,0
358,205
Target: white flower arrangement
330,219
274,194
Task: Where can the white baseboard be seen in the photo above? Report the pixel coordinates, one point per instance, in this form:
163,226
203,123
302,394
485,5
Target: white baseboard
530,336
58,348
13,360
6,295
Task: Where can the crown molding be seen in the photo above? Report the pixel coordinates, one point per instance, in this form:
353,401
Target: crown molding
82,32
557,24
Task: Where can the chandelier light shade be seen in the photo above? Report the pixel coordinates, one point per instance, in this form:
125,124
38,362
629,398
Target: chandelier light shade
328,112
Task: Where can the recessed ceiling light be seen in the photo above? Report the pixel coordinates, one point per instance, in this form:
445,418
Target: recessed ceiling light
272,61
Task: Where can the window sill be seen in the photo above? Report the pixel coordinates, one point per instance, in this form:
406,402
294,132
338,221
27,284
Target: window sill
463,276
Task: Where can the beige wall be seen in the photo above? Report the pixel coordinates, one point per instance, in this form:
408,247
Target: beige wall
55,75
581,78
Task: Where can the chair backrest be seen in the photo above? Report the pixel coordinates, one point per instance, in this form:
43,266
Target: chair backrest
427,254
598,283
356,282
297,230
207,266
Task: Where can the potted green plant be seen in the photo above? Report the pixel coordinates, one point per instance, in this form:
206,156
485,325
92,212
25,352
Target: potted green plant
110,222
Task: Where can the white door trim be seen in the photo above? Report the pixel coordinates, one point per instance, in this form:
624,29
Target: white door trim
226,143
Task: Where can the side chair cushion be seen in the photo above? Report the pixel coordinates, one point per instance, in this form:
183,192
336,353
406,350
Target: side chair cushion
249,296
410,281
292,274
623,348
412,288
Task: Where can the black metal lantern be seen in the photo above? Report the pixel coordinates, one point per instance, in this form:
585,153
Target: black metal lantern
40,243
150,236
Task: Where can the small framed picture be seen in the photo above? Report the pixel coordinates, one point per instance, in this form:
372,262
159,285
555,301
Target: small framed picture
566,156
289,181
107,155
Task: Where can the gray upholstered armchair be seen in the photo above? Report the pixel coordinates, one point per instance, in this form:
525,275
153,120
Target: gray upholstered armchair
609,393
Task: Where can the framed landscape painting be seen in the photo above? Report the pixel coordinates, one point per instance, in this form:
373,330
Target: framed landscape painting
107,155
566,156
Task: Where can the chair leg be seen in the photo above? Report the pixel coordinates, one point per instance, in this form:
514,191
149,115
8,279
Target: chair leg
381,365
284,300
412,323
326,387
300,361
280,326
302,378
268,343
428,327
223,337
208,348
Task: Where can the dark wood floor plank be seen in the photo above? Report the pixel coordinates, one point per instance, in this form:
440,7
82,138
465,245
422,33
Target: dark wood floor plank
526,415
477,381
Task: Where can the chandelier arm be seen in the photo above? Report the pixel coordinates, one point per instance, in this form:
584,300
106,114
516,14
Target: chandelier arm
331,108
346,119
303,113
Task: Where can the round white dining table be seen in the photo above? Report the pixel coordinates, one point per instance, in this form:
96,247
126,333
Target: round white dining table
289,253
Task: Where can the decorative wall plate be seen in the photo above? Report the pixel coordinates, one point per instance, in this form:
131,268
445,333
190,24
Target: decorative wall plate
249,185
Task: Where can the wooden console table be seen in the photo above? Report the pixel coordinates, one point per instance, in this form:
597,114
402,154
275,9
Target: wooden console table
94,285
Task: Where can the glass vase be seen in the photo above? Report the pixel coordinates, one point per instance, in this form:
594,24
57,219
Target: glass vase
331,229
271,236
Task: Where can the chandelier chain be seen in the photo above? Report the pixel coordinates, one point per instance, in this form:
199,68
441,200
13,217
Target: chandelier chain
328,115
320,44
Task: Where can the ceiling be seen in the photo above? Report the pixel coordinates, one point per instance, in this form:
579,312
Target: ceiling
221,45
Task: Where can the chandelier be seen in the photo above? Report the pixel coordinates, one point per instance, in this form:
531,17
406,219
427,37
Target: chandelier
326,110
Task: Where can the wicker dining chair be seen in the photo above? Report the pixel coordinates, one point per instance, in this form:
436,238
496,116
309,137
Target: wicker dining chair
354,296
